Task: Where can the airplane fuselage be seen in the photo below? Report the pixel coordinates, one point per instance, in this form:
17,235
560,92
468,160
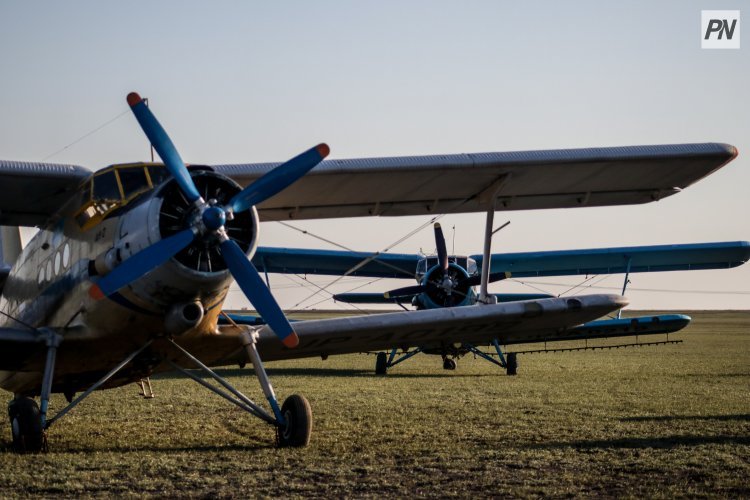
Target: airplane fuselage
50,283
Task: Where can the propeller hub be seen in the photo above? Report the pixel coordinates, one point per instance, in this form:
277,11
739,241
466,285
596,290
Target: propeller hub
214,218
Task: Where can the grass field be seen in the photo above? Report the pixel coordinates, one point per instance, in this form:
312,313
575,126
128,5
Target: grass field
641,422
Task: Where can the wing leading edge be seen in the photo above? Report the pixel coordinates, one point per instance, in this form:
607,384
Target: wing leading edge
523,180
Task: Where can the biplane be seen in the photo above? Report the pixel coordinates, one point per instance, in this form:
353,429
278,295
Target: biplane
131,265
445,280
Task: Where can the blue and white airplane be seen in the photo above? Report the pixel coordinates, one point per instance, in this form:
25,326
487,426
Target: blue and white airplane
131,265
450,281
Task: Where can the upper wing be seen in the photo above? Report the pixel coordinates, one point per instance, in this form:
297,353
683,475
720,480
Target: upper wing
33,192
637,259
464,183
335,262
650,258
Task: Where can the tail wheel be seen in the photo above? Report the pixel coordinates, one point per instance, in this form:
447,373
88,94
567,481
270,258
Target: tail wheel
381,364
512,364
297,422
26,426
449,364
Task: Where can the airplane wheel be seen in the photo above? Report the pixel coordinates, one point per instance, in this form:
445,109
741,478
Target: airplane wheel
26,426
298,422
381,364
449,364
511,367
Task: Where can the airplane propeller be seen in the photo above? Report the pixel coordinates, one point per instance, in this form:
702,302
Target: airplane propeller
211,223
443,281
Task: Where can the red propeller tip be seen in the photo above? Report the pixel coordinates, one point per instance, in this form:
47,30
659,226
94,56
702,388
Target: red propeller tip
95,292
323,150
291,340
133,99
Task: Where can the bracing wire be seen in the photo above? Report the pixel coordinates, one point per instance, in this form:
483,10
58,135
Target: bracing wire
88,134
369,259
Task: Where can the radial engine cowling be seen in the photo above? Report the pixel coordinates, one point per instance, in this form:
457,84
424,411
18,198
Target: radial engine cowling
197,272
446,288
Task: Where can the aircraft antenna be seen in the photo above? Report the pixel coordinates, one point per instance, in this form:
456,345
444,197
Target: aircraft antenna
453,250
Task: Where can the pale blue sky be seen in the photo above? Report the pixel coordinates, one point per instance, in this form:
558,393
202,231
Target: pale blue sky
251,81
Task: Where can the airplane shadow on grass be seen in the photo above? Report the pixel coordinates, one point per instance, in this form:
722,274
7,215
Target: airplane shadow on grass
320,372
744,417
664,442
161,449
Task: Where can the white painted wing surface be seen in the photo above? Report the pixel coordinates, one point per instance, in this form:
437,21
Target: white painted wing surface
524,180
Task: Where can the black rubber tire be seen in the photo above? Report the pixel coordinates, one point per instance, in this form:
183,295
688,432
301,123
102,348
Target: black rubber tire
511,367
26,426
381,364
298,422
449,364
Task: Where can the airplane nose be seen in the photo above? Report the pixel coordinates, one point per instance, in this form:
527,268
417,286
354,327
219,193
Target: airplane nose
214,218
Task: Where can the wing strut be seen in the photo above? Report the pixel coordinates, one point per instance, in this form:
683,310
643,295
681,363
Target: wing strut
625,283
490,195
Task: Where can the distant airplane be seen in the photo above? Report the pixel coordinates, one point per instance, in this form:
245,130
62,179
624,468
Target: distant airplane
129,271
451,280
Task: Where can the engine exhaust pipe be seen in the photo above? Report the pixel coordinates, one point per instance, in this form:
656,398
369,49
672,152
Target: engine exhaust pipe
183,317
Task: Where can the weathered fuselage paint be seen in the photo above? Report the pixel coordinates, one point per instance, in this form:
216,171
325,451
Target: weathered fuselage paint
50,281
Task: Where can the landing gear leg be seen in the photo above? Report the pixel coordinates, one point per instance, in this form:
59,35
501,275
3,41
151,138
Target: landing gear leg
28,421
385,361
294,420
53,341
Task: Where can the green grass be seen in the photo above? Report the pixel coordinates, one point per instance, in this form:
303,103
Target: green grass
641,422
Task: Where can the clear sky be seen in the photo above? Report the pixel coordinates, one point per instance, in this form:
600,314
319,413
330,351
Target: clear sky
245,81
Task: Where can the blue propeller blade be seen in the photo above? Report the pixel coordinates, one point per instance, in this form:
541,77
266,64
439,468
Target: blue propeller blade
278,179
256,291
139,264
406,291
476,280
163,145
442,251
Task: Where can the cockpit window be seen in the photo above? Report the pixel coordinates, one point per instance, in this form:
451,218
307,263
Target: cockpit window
158,174
115,187
133,180
105,186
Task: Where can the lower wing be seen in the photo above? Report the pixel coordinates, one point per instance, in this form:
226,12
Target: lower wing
515,322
